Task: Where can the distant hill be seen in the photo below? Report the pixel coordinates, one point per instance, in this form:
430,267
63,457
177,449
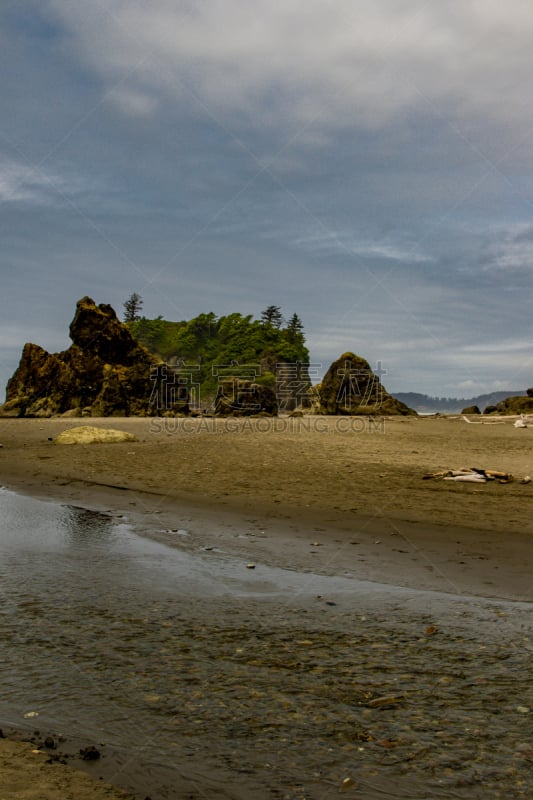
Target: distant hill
425,404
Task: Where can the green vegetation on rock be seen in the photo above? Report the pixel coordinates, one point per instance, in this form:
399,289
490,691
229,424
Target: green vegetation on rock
224,345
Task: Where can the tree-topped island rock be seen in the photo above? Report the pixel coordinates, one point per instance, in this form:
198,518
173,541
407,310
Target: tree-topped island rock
350,387
105,372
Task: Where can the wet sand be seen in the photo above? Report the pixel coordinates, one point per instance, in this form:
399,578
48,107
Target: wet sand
352,486
336,497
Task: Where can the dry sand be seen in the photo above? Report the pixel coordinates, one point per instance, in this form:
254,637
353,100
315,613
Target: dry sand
336,496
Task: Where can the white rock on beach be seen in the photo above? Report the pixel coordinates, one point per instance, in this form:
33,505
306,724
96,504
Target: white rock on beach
87,434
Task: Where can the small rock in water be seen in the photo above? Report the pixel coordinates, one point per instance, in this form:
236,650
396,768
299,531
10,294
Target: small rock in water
250,566
382,702
348,783
50,743
90,753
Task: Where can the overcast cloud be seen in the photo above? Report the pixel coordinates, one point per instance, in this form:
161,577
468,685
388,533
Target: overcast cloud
366,164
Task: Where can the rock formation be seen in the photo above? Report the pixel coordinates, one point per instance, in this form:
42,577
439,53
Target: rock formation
87,434
105,372
351,387
512,406
471,410
243,398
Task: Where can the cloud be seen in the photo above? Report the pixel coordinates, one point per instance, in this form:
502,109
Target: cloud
306,60
363,164
20,183
134,103
510,252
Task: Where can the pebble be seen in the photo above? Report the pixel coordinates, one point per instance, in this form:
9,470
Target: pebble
90,753
390,700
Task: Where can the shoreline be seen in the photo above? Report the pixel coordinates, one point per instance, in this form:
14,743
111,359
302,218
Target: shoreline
331,503
313,531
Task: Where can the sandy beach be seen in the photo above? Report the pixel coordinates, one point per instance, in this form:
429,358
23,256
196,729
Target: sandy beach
333,497
337,480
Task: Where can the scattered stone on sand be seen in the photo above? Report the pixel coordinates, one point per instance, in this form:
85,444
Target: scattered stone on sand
87,434
32,774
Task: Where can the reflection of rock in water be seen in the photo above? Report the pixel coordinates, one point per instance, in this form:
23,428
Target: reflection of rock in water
81,524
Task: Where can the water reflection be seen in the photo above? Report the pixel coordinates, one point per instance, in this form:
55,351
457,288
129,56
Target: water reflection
83,527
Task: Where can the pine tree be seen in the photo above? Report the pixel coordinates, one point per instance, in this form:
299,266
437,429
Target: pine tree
132,307
272,316
295,328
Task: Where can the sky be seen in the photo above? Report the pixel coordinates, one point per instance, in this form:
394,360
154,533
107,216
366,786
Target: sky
366,164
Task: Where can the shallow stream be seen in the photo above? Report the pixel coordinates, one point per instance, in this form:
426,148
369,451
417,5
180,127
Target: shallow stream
207,678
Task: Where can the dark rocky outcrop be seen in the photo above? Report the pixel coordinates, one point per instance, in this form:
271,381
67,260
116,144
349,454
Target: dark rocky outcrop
351,387
471,410
105,372
243,398
513,406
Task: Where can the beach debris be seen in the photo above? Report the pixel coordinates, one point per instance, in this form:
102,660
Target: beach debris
523,709
484,421
31,714
250,566
431,630
521,422
470,478
526,479
471,475
87,434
